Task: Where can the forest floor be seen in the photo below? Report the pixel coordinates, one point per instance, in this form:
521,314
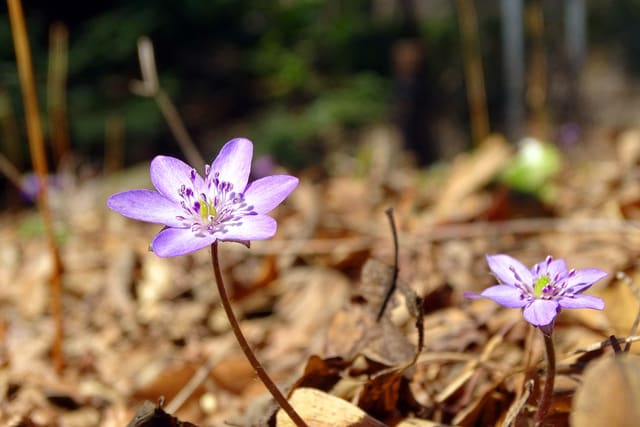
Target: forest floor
138,327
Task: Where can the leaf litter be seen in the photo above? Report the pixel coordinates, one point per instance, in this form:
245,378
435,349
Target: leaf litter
139,328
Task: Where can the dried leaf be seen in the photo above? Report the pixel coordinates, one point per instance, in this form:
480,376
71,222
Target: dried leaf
609,394
387,395
468,173
150,415
322,374
354,331
320,409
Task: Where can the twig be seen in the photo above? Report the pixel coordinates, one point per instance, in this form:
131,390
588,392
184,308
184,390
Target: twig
474,77
198,378
394,276
603,344
150,87
419,301
9,133
113,143
37,151
246,348
56,90
517,405
537,73
615,345
10,171
522,226
441,233
636,293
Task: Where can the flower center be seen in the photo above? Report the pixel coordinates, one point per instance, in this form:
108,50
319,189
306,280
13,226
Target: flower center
207,209
540,285
216,208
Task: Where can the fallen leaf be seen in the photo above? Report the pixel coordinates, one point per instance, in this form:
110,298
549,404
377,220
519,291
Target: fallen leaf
319,409
609,394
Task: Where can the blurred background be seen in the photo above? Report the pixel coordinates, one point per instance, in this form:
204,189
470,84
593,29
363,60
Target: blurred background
303,78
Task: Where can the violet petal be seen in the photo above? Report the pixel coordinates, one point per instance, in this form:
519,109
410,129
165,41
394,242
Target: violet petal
266,193
502,265
254,227
541,312
472,295
179,241
557,268
505,295
582,301
233,164
583,279
168,174
146,205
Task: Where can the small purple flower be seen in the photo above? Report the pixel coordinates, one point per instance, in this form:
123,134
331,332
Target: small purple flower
197,211
542,291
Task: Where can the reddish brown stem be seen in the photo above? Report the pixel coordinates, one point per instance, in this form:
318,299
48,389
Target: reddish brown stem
545,400
246,348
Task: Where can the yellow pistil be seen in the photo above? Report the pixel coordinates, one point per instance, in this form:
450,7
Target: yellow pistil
540,285
207,209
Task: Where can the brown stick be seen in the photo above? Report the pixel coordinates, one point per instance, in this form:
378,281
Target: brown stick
36,149
246,348
113,143
10,146
474,76
394,275
56,91
150,86
537,85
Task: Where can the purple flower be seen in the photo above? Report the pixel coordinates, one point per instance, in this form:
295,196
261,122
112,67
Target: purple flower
542,291
197,211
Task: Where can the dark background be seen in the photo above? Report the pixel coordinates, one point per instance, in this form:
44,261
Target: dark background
284,73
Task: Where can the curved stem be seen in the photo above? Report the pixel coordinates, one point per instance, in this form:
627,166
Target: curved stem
545,400
246,348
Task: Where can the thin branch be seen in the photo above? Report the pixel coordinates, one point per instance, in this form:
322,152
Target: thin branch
473,73
604,344
196,380
38,157
636,293
518,404
394,277
10,172
56,90
615,344
150,87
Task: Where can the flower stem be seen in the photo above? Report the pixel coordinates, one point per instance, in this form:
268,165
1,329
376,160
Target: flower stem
545,400
246,348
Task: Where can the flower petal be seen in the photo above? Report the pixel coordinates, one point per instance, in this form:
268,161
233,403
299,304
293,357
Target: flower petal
505,295
541,312
168,174
581,280
146,205
234,163
557,268
179,241
252,227
581,301
472,295
506,268
266,193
